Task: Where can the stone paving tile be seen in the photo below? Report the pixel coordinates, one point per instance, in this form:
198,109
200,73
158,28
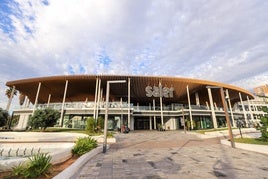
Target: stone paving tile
183,156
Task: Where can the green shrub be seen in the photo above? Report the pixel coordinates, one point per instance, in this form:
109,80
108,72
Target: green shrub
84,145
38,164
264,125
43,118
90,127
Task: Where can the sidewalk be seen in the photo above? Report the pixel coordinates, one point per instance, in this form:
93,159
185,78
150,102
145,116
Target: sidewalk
170,154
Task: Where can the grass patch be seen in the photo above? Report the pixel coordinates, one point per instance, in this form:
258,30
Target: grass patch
211,130
58,129
250,141
71,130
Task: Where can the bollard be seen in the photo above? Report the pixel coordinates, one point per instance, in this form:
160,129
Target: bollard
24,152
9,152
17,152
1,152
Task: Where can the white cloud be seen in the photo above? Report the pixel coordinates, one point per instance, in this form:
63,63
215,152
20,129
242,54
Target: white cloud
224,41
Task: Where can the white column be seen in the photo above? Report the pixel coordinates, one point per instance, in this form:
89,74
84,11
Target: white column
48,100
150,120
36,97
10,98
99,98
63,103
190,108
154,114
197,101
26,101
230,107
161,103
249,107
121,110
212,109
128,112
244,111
95,99
207,105
216,107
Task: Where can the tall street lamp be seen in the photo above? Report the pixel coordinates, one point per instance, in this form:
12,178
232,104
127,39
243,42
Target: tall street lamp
106,111
231,137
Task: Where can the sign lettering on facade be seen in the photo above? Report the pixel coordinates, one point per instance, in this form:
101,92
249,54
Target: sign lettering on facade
158,91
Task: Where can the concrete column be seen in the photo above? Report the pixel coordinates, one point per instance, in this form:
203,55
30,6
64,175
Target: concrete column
154,114
48,100
98,99
161,103
150,120
214,120
190,108
26,101
230,107
197,101
216,107
63,103
128,112
244,111
249,107
36,97
95,99
10,98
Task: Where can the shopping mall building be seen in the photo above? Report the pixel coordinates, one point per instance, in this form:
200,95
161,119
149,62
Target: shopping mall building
140,102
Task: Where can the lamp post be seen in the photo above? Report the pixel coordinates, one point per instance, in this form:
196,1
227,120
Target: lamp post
106,112
231,137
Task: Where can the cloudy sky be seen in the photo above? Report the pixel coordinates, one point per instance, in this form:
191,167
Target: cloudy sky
224,41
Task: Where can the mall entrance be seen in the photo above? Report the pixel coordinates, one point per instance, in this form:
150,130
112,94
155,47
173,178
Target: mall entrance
142,123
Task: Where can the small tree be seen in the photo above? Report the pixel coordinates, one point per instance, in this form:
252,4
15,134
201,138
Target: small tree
263,128
43,118
3,117
91,125
100,123
9,91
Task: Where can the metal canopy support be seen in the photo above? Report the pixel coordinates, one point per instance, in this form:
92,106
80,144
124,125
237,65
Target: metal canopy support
230,107
154,114
249,107
244,111
36,97
128,112
190,108
48,100
161,103
197,100
99,97
95,100
212,108
63,103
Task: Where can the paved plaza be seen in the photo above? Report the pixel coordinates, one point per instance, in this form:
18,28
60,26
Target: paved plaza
173,154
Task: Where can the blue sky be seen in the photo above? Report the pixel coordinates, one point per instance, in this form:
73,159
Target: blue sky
224,41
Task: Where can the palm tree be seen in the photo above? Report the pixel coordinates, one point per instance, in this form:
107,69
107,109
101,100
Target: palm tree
9,91
21,98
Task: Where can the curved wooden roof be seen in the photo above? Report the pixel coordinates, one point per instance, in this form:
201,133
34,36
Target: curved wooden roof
81,87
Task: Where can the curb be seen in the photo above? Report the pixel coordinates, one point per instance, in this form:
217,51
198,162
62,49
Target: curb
72,170
263,149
